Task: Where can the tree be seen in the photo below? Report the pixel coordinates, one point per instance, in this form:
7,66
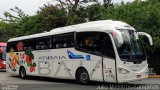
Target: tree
52,17
14,18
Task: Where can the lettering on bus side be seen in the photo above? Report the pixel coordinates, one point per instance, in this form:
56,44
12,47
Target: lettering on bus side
42,68
44,60
52,58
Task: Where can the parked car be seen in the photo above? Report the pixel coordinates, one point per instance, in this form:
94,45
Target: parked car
3,56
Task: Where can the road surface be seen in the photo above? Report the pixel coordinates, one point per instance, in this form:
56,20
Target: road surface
12,82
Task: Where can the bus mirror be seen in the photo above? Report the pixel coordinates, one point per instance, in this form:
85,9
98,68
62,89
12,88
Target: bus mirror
118,36
136,35
147,35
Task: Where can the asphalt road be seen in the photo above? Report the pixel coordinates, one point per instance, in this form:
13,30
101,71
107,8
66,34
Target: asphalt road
12,82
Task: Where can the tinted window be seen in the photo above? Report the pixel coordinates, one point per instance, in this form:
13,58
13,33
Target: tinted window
97,43
107,47
63,40
27,44
89,42
4,53
43,43
11,45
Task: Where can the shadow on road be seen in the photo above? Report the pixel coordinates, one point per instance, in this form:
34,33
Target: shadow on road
2,71
101,85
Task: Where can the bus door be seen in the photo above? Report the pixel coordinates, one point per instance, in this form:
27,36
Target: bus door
108,59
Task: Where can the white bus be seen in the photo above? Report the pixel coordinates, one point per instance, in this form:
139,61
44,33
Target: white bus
106,50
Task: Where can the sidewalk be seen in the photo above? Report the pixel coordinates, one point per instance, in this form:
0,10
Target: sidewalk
154,76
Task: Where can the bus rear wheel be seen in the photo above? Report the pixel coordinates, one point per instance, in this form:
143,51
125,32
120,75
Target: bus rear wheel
22,73
82,77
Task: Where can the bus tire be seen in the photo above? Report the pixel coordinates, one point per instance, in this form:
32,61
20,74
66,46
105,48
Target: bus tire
22,73
82,77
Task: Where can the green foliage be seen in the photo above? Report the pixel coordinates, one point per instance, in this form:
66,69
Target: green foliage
76,16
14,18
52,17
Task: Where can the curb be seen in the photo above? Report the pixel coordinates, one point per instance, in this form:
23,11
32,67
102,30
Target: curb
154,76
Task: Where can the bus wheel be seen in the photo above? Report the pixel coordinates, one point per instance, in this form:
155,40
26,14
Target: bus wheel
22,73
83,77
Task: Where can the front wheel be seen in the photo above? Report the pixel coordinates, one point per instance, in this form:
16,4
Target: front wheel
22,73
83,77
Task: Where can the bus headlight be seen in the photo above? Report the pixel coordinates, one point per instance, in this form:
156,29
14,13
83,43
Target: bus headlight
123,71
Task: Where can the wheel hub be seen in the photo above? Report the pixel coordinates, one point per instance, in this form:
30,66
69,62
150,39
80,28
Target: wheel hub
84,76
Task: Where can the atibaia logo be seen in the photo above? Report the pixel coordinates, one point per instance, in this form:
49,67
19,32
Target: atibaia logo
71,55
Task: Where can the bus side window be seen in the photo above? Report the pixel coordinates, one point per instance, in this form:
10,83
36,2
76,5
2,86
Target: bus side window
63,40
44,43
106,46
38,47
89,42
53,43
50,43
28,44
9,45
12,45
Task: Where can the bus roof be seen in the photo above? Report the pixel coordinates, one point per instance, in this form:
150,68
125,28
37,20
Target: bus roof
2,44
100,25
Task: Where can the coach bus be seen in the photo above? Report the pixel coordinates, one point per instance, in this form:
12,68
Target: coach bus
3,56
105,50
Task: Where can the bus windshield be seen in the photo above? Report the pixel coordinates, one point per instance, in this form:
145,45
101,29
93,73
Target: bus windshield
131,49
3,54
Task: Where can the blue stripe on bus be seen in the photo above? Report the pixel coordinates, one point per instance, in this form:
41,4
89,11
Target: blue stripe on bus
73,56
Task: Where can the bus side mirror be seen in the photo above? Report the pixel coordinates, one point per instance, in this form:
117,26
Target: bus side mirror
147,35
117,35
